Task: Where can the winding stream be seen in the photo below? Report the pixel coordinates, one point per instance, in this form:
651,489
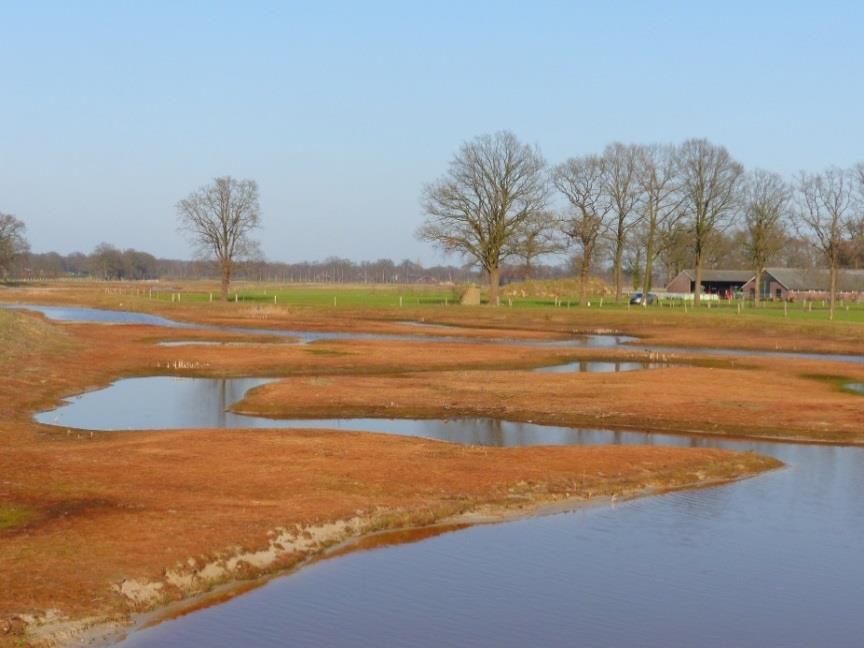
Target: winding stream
770,561
102,316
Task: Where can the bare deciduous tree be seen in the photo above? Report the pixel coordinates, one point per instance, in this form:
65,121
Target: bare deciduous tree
766,200
709,179
12,242
583,183
660,203
825,202
219,218
540,236
622,186
494,185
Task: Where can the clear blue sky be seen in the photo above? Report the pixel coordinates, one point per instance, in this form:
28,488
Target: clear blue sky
110,112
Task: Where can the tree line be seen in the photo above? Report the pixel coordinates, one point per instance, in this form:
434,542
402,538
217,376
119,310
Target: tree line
499,200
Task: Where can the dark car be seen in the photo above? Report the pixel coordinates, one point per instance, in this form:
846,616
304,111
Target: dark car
637,300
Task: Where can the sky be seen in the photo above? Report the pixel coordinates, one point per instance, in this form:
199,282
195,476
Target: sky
111,112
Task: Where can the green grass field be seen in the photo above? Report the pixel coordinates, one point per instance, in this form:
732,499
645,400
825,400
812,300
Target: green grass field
387,296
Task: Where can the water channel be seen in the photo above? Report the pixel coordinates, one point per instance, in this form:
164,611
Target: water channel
770,561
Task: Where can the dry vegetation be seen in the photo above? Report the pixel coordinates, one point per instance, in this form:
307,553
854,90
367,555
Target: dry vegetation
95,526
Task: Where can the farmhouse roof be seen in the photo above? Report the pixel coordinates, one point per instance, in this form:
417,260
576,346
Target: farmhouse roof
813,279
731,276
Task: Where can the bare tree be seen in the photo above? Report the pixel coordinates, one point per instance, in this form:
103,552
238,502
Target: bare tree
540,236
219,218
825,202
12,242
656,173
583,183
766,200
622,186
709,182
494,185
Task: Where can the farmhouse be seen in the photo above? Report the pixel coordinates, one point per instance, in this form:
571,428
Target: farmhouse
794,284
714,282
791,284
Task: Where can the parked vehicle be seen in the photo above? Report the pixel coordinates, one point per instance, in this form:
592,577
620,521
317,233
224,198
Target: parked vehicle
637,300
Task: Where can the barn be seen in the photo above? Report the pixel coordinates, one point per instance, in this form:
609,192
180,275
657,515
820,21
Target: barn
796,284
714,282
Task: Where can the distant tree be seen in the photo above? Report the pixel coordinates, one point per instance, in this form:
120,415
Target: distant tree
656,173
765,203
856,223
852,252
13,243
138,265
709,180
583,183
825,202
798,251
540,236
624,191
106,262
479,208
676,247
219,218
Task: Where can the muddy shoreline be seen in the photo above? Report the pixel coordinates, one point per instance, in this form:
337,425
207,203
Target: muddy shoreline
106,632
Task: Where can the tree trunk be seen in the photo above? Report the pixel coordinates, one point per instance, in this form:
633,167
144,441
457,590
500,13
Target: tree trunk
616,270
833,295
226,279
583,277
649,268
494,283
757,287
697,290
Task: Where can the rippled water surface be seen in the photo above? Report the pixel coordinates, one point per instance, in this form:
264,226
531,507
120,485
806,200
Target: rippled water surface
771,561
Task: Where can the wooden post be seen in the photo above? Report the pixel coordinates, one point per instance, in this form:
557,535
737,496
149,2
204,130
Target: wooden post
785,309
211,297
236,298
400,301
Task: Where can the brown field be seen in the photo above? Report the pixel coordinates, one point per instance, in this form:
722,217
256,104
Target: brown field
95,526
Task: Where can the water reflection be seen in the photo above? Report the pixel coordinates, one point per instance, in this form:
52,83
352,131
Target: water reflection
76,314
601,366
102,316
770,561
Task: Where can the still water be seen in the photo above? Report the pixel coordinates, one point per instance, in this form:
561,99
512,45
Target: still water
770,561
102,316
96,315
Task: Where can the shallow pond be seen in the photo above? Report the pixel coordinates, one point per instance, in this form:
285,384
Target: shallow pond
770,561
855,388
164,403
602,366
102,316
96,315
